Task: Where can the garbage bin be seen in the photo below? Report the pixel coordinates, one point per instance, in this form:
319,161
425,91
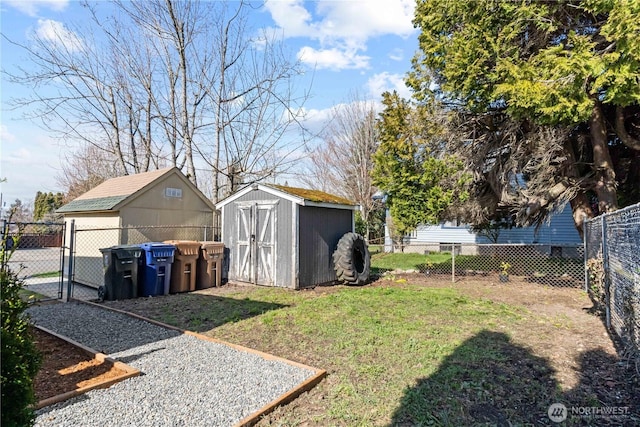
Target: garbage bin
210,265
183,269
120,265
155,271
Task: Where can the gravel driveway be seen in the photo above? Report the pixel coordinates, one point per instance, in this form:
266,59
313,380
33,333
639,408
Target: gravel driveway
185,381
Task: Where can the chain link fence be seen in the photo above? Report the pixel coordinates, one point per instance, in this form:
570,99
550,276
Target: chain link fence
549,265
35,251
612,244
86,263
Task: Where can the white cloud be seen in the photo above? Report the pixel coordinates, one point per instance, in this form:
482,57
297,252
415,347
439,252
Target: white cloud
6,135
58,35
342,26
383,82
396,54
21,156
31,7
290,16
362,20
333,58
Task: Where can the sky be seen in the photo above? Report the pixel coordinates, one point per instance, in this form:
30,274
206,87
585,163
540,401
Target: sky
348,46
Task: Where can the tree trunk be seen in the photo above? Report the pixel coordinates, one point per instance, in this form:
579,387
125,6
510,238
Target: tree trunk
605,187
581,211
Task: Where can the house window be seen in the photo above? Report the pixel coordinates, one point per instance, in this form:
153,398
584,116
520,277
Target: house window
448,247
452,224
173,192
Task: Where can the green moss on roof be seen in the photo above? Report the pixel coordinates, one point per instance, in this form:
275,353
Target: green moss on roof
88,205
315,195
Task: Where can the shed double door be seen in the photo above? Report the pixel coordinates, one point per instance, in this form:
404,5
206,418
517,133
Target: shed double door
256,243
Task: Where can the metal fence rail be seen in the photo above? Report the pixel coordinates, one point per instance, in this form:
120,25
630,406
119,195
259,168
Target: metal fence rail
86,272
612,244
550,265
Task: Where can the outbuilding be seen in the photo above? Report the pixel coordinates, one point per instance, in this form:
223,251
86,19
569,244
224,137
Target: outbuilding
128,210
283,236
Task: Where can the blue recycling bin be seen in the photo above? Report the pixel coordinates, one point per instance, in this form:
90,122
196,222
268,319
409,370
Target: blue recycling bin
155,268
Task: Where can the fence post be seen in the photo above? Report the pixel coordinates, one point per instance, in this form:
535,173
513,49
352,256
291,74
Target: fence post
585,248
5,234
605,268
72,238
453,263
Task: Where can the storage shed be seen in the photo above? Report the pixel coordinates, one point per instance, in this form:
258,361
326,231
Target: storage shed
164,197
283,236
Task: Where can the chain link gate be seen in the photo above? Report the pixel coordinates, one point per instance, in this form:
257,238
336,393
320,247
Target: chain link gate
36,252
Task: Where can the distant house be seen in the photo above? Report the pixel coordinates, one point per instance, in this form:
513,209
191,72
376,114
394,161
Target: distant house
163,197
559,232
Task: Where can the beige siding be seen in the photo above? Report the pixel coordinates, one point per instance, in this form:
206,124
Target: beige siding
154,207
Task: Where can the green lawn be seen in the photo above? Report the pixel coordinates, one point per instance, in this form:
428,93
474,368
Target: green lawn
407,261
401,354
47,274
534,266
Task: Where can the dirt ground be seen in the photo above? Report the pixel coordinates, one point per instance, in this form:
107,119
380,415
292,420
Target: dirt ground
66,367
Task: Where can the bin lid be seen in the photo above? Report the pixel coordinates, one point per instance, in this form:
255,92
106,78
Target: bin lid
158,249
211,248
185,247
123,251
156,245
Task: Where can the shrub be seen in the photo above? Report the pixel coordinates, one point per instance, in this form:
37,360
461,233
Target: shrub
20,357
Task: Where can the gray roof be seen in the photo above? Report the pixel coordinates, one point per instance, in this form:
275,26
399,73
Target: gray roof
87,205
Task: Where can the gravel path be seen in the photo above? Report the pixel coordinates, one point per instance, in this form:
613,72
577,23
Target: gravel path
185,381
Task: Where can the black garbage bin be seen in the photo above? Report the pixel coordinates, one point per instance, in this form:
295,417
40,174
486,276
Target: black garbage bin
120,264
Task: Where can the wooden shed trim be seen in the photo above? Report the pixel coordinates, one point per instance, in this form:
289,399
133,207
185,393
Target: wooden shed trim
298,200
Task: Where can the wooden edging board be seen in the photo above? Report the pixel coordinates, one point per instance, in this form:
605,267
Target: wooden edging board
253,418
100,357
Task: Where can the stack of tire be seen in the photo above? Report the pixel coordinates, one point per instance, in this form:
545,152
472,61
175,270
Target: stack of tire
352,260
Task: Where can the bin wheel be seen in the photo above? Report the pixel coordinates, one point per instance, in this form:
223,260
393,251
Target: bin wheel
351,259
102,293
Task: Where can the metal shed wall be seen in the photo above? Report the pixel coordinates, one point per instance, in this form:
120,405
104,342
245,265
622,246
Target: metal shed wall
284,236
320,229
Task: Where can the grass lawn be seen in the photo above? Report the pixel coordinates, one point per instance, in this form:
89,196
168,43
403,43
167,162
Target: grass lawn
31,296
406,261
48,274
396,353
402,355
540,266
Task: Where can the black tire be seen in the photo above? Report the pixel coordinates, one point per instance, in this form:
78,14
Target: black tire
102,293
352,260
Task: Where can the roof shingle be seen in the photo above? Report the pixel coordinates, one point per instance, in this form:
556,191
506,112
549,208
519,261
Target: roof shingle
123,185
99,204
314,195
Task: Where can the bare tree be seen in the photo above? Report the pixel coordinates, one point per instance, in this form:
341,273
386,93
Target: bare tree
81,91
344,159
86,168
257,118
194,90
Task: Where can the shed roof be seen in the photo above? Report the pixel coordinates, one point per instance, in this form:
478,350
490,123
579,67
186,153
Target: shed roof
300,196
115,192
